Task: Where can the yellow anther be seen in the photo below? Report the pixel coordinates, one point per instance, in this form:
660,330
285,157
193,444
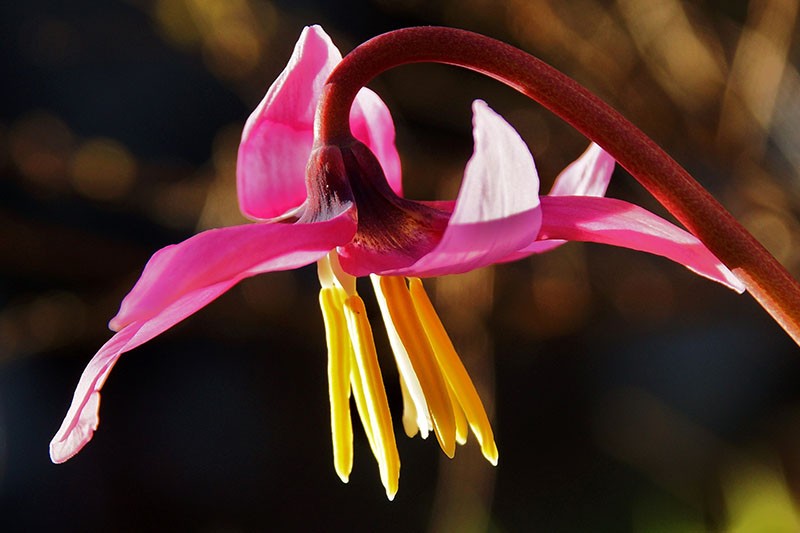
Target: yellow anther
339,355
454,371
374,393
409,410
356,385
462,427
412,334
416,415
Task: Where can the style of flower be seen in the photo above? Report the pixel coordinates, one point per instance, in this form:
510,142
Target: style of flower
342,207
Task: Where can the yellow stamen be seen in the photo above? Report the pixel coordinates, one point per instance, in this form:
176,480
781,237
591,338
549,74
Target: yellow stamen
412,334
339,351
374,394
356,384
454,371
414,401
437,392
462,427
409,411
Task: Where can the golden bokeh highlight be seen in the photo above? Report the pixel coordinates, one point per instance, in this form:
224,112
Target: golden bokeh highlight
221,204
686,60
40,147
232,35
773,231
102,169
45,322
178,204
757,71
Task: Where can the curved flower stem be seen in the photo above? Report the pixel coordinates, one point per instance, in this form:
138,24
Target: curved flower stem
769,283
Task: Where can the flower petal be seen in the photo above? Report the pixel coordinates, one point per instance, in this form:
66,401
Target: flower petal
589,175
178,281
619,223
497,210
536,247
217,255
82,418
372,124
278,136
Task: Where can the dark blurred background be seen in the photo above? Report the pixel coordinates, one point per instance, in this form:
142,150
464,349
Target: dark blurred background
626,393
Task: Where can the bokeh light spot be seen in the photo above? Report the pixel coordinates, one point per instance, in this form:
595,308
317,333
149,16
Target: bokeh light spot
103,169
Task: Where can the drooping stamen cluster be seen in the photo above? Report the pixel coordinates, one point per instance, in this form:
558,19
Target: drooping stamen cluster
438,394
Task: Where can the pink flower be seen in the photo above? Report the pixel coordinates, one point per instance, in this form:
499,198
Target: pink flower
342,207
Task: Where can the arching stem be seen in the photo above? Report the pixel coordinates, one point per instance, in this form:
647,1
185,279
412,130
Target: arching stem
769,283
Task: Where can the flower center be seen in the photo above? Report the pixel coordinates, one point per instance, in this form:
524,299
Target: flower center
392,232
438,394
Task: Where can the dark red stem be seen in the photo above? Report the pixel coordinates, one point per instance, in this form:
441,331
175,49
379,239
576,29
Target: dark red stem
769,283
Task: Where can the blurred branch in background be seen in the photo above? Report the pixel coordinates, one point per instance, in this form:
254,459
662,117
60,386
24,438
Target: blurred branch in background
757,71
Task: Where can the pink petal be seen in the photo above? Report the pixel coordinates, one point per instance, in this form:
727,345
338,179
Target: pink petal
278,135
611,221
588,175
178,281
372,124
82,418
218,255
497,210
536,247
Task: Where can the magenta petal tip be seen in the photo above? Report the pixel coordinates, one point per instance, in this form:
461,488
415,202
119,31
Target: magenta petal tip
67,443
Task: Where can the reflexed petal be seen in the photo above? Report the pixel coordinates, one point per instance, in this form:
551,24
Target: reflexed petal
82,418
589,175
497,210
278,135
611,221
178,281
218,255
